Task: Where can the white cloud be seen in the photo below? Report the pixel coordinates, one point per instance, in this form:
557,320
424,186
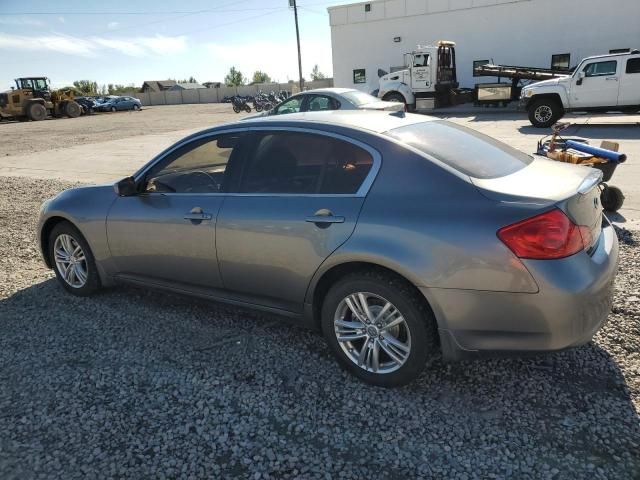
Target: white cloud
278,59
57,43
112,25
134,46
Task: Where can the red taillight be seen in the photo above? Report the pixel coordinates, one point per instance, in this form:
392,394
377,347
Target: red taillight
546,236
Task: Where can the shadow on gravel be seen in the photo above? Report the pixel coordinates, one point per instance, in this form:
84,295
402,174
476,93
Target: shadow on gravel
131,383
620,131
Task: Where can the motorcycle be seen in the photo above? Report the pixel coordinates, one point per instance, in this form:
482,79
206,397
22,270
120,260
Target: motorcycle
239,104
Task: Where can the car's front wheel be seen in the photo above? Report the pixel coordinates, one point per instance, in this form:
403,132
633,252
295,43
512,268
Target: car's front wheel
72,260
544,112
378,328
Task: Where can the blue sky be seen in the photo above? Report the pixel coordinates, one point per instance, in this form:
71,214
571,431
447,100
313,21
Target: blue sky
131,41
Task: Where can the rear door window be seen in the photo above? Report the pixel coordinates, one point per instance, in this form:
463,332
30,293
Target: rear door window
303,163
467,151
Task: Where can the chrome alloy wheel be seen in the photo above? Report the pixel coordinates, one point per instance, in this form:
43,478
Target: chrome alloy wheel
543,113
70,260
372,332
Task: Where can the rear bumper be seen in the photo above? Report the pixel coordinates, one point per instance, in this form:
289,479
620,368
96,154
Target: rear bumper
572,304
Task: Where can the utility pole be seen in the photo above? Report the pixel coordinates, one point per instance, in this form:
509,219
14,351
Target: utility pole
292,3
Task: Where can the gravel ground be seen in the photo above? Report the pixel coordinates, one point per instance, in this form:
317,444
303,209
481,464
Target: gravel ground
138,384
18,137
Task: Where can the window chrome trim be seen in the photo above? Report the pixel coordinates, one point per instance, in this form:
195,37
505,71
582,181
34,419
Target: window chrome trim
362,191
195,137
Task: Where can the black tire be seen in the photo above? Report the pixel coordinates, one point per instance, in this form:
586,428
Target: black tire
114,109
544,112
611,199
236,109
92,283
36,112
397,97
247,108
258,108
418,319
136,107
72,109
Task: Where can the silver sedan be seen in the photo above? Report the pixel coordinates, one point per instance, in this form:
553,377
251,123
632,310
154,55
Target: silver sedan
400,237
322,99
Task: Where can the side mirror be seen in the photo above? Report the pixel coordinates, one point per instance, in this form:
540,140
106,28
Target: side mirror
581,76
126,187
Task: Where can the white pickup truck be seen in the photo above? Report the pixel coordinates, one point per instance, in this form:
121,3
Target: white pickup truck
602,83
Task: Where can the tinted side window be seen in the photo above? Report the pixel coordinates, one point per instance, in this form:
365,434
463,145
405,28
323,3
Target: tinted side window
290,106
198,167
301,163
633,65
601,68
318,102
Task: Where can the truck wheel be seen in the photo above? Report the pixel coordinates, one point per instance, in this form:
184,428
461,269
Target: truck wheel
72,109
36,112
611,199
395,97
544,112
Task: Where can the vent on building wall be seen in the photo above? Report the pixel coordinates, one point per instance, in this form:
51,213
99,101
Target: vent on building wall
367,7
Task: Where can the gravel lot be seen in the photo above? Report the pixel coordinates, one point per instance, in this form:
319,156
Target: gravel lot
27,137
138,384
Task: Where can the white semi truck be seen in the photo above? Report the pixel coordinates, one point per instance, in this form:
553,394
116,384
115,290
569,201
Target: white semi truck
427,82
599,84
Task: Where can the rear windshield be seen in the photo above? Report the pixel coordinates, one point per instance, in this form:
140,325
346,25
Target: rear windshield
359,98
464,149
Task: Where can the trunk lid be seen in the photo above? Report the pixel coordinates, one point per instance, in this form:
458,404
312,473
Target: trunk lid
383,105
572,188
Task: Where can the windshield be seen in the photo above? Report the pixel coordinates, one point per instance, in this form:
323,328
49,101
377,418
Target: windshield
466,150
359,98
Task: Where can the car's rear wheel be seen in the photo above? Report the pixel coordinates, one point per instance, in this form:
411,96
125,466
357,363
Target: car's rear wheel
72,260
136,107
113,109
378,328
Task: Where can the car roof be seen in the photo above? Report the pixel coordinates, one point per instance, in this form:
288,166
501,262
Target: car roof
330,90
373,121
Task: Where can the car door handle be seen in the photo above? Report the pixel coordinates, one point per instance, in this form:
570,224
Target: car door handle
324,219
612,78
324,216
196,215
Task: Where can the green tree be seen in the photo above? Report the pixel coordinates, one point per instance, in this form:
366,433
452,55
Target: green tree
87,87
316,74
190,80
261,77
119,89
234,78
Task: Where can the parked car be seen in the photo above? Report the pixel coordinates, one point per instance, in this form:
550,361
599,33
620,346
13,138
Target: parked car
88,104
397,235
120,103
599,84
330,99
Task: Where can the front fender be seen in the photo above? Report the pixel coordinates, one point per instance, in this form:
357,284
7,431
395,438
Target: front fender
560,93
400,87
84,207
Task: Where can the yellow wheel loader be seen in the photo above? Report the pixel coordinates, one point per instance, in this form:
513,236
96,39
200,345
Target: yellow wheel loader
32,99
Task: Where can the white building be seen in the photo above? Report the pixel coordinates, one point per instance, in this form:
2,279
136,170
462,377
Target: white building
374,35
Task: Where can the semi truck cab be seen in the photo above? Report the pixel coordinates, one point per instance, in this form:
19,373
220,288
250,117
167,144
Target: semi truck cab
427,80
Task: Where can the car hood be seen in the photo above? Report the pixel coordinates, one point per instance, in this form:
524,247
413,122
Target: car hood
548,83
382,105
